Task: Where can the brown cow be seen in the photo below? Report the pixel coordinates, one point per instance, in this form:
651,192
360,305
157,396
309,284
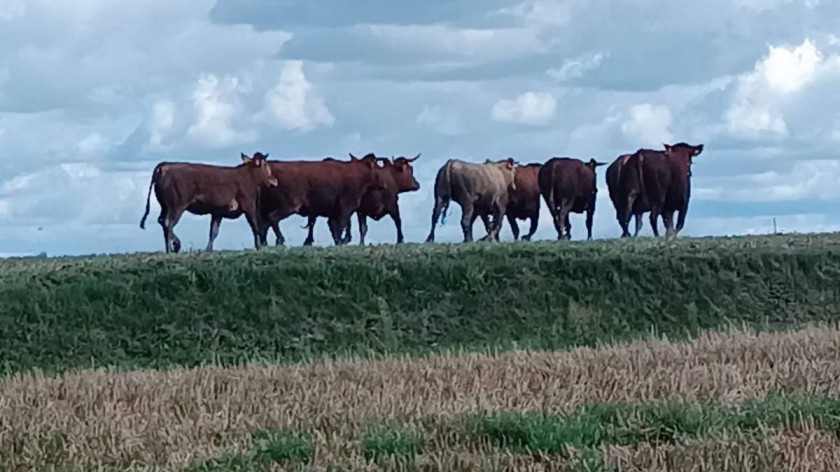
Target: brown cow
202,189
376,204
569,186
639,208
663,178
328,188
523,202
474,186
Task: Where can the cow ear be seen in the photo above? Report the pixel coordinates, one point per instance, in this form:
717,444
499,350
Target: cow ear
698,149
667,147
244,157
265,156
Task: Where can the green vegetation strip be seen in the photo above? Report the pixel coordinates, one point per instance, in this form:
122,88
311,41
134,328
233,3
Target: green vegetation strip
285,305
289,448
576,437
624,424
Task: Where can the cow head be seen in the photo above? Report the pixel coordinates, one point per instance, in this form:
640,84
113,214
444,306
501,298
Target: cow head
403,173
683,154
592,164
258,166
508,168
377,168
369,157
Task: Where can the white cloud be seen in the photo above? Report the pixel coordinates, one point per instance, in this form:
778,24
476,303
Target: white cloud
294,103
648,123
12,9
529,108
73,192
755,225
161,121
442,121
541,12
94,145
217,107
446,42
764,5
814,179
577,67
778,80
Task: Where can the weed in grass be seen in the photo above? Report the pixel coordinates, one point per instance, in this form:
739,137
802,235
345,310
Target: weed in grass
391,439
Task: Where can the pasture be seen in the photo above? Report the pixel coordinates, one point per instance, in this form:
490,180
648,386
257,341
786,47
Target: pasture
292,357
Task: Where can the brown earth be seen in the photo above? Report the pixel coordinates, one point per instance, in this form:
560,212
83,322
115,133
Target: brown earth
170,419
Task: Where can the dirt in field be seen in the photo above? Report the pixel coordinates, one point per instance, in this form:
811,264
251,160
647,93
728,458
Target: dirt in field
174,418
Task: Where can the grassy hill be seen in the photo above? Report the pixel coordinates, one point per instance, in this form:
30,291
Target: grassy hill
153,310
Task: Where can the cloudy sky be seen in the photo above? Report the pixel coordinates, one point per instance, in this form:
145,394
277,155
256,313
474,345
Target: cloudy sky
93,93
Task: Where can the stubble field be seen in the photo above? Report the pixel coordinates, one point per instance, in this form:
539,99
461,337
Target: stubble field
538,356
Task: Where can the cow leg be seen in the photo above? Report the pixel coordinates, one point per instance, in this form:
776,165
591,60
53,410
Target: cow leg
362,228
535,221
638,218
440,203
162,221
668,217
169,221
467,220
568,228
395,215
681,219
498,216
654,225
278,235
310,235
564,227
348,236
215,221
253,221
627,213
514,227
590,214
335,230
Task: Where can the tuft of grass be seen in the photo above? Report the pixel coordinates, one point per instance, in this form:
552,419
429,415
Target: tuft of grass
286,447
282,446
391,440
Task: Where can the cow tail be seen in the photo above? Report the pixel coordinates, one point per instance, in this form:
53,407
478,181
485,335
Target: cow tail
447,176
155,177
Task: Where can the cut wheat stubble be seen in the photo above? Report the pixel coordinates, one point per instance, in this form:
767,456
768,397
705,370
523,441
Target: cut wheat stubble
176,417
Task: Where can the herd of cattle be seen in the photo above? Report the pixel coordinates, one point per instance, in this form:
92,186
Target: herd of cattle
266,192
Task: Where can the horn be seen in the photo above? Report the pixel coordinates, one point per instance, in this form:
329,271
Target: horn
415,157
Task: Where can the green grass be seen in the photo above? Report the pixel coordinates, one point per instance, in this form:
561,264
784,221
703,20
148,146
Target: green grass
657,422
391,440
289,448
284,305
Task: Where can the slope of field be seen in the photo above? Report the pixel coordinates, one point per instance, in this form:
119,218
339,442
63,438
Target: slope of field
287,305
724,402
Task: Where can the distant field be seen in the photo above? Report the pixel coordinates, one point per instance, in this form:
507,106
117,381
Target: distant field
723,402
280,305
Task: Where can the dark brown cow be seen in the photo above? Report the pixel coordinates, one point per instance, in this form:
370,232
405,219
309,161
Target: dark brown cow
663,179
328,188
569,186
639,208
523,202
202,189
472,185
376,204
